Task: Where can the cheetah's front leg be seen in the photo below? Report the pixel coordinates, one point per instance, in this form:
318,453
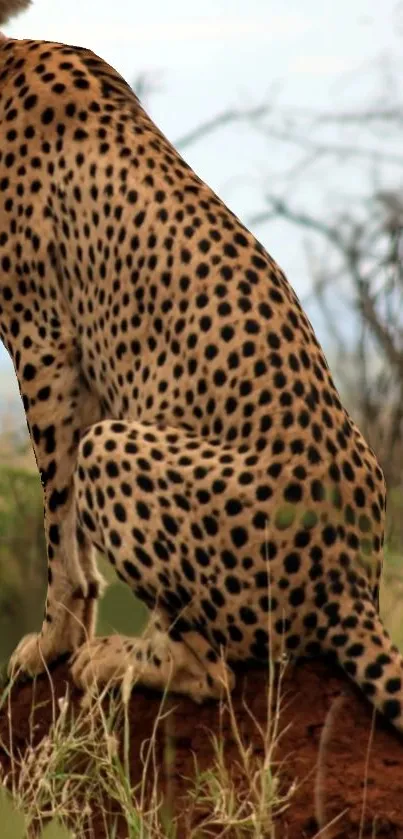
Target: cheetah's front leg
58,407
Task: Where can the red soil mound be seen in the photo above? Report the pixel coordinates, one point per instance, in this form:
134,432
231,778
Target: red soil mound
345,771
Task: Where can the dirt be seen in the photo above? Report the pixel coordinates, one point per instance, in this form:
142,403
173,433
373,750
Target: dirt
347,768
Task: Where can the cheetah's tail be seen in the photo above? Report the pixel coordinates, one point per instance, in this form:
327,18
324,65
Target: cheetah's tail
10,8
368,656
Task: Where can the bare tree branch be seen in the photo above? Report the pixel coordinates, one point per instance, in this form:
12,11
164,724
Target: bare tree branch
232,115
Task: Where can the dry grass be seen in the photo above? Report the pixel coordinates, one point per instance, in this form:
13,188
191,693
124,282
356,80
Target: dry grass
246,800
82,766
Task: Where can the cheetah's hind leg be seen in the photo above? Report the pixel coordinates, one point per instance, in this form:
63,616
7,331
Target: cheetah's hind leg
157,662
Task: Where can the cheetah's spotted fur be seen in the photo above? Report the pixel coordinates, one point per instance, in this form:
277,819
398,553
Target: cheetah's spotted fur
183,415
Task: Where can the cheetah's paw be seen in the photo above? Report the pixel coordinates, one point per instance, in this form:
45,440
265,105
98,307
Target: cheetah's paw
34,652
102,661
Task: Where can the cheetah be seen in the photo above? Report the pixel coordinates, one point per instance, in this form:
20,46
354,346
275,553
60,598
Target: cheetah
183,416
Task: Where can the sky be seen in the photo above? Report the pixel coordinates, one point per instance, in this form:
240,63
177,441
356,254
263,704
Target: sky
204,58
